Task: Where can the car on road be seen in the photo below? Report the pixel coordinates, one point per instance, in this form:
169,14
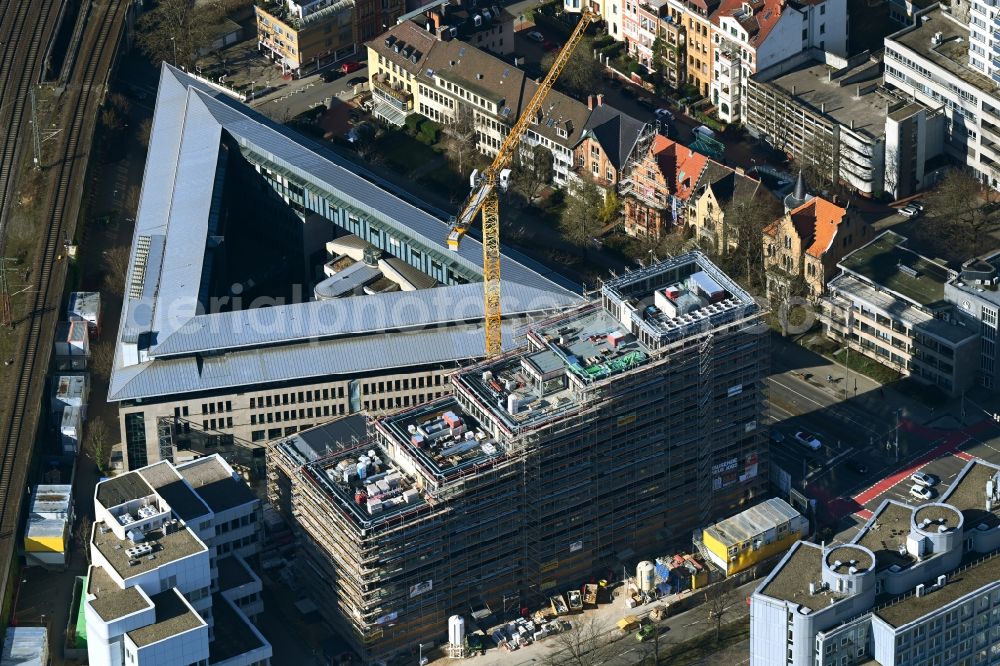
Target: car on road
357,80
646,632
349,67
916,204
331,75
536,36
921,492
664,114
808,440
856,466
909,210
924,479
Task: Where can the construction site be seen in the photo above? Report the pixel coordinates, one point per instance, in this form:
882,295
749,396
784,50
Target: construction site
615,430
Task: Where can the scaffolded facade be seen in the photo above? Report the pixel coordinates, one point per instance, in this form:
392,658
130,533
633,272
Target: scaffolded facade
618,428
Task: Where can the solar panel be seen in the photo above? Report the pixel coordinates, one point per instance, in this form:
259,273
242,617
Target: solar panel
506,111
506,72
461,52
552,121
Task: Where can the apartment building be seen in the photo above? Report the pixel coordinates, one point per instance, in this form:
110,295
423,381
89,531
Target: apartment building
718,189
305,36
607,143
944,62
807,243
838,116
612,11
620,426
169,580
696,18
674,37
917,585
441,78
211,341
889,304
753,36
641,25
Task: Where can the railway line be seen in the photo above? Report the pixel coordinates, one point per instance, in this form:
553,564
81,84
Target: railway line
25,29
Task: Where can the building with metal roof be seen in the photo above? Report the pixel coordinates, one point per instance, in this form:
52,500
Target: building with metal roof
219,326
754,535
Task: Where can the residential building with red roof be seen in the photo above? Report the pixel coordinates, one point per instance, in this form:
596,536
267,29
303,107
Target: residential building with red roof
807,243
752,35
656,190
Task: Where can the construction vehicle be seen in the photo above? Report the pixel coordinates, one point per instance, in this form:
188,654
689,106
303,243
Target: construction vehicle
485,196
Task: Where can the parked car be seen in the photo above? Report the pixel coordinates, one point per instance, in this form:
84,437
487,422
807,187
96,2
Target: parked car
357,80
331,75
549,45
808,440
928,480
536,36
916,204
646,632
664,114
921,492
856,466
349,67
704,131
909,210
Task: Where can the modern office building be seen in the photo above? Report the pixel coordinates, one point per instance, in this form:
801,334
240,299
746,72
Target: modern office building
621,426
837,115
917,585
169,581
974,293
889,304
221,332
946,62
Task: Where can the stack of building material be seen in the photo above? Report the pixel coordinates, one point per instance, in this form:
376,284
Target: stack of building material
46,537
72,345
25,646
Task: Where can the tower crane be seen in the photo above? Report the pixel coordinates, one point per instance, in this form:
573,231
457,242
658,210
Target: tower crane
485,187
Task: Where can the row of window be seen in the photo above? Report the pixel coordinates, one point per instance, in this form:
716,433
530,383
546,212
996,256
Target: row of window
304,413
296,397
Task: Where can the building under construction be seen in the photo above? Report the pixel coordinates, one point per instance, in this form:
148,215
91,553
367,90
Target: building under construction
618,428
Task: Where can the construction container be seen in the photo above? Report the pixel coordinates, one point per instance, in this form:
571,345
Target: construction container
72,345
25,646
70,431
86,306
46,535
70,390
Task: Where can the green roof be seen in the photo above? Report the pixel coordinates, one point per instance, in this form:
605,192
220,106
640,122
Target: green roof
886,263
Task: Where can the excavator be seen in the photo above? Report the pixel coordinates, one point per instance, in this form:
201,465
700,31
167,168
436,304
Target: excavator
494,180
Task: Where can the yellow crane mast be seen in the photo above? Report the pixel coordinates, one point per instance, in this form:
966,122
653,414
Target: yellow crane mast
484,194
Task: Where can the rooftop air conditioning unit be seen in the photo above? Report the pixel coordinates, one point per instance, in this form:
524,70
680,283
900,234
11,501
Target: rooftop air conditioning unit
477,20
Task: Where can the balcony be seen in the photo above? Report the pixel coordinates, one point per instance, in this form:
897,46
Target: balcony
394,94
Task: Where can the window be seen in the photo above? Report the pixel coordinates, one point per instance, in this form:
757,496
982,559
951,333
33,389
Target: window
822,9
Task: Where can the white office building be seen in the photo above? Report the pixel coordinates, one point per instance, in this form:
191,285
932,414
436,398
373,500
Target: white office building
917,585
168,582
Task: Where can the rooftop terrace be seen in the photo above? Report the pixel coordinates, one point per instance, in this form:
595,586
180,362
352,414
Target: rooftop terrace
886,262
112,601
165,548
968,495
885,535
173,616
959,583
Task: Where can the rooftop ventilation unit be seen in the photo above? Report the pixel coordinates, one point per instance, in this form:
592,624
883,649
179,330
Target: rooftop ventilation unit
139,551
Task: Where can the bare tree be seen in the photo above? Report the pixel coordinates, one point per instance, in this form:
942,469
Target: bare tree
532,169
583,215
177,30
742,246
721,601
97,443
461,141
582,74
130,203
587,643
144,130
819,160
962,213
111,119
116,264
83,536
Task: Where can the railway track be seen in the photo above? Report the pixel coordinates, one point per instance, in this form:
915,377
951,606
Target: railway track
83,94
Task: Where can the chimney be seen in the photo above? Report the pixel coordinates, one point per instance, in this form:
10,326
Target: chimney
740,171
437,22
590,102
793,90
822,107
920,590
600,99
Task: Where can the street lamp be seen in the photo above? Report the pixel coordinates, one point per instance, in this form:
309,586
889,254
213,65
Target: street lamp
420,657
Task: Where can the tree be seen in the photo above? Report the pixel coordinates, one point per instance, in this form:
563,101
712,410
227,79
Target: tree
743,223
178,27
461,141
962,214
586,643
720,601
818,160
531,169
116,262
582,73
110,118
83,531
145,129
97,443
581,218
